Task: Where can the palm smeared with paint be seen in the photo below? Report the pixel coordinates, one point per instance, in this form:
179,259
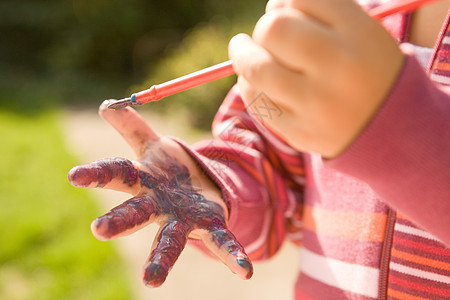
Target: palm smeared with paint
162,181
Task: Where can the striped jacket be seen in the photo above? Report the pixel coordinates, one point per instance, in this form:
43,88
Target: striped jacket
372,223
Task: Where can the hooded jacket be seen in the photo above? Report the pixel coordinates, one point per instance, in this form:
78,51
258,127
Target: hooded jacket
373,222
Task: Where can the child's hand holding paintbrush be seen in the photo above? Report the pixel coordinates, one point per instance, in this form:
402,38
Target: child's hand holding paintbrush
345,52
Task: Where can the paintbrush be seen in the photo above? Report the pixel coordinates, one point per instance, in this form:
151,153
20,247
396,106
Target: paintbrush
224,69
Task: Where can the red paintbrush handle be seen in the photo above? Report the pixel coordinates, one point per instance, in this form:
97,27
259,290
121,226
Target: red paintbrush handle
183,83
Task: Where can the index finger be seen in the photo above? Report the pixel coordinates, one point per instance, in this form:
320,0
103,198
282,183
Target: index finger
274,4
263,71
330,12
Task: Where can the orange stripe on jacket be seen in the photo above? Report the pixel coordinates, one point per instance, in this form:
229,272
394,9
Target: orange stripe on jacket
352,225
420,260
441,66
404,296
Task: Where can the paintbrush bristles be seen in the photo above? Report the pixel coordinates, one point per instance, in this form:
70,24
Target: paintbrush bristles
119,104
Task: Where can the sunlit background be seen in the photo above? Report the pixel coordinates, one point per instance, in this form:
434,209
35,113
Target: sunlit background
58,60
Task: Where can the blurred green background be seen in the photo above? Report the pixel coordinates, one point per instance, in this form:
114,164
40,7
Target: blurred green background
56,54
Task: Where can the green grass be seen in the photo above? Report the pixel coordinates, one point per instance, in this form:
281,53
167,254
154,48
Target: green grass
46,248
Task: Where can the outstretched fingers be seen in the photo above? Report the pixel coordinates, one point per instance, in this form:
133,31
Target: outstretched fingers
225,246
134,129
112,173
167,247
125,218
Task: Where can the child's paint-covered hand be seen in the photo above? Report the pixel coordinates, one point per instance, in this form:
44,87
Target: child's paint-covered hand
168,188
325,63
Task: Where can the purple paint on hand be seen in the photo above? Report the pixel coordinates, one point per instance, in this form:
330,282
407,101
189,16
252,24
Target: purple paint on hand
164,194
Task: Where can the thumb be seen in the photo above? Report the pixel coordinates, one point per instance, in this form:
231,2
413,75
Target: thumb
134,129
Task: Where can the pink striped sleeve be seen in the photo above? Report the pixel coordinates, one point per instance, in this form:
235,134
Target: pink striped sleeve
260,177
404,154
